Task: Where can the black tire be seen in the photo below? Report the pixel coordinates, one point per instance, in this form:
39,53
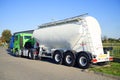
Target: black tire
69,59
57,57
21,53
83,61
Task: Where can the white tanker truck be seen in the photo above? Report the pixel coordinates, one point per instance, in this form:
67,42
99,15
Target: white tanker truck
72,40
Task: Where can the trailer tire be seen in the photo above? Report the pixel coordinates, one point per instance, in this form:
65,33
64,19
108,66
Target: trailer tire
69,58
57,57
83,61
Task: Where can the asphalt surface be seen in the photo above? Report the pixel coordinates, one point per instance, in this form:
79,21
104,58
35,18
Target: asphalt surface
14,68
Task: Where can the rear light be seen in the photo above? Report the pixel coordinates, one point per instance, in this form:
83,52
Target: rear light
111,59
94,60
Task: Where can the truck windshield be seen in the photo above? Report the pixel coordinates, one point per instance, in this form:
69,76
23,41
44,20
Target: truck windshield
27,37
16,38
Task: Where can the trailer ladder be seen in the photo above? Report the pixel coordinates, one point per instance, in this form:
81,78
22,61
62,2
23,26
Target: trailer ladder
88,36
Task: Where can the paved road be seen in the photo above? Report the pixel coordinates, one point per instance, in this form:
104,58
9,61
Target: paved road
14,68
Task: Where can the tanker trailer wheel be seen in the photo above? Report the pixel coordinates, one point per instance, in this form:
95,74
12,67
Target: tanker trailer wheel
69,59
83,61
57,57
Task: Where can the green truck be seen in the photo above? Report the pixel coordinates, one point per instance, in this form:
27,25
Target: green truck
20,41
22,44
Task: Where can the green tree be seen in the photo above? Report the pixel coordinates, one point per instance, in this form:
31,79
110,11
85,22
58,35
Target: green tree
6,34
105,39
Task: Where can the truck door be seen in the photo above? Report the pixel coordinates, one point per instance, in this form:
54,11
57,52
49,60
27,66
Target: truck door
21,42
16,42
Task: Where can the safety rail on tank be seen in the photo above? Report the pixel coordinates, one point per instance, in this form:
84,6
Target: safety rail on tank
68,20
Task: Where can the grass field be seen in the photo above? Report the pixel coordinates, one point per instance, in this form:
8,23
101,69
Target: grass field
116,49
114,66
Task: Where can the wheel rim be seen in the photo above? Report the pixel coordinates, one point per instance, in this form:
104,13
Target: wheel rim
83,61
57,58
68,59
16,53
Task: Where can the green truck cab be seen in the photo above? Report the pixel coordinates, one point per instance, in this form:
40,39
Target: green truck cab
20,40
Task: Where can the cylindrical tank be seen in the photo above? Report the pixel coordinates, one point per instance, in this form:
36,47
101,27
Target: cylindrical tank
67,35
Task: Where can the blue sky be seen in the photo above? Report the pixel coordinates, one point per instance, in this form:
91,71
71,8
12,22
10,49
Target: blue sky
19,15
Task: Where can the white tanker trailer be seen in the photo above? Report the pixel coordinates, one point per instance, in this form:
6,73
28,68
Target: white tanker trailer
72,40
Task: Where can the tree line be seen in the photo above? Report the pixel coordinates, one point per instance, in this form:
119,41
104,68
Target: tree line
105,39
5,37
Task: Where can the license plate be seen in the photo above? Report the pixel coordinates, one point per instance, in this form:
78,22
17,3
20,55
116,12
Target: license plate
103,56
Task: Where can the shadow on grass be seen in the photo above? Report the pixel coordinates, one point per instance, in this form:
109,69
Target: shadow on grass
116,60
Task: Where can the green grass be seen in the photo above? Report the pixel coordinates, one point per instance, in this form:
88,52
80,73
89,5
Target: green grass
111,44
116,51
113,69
